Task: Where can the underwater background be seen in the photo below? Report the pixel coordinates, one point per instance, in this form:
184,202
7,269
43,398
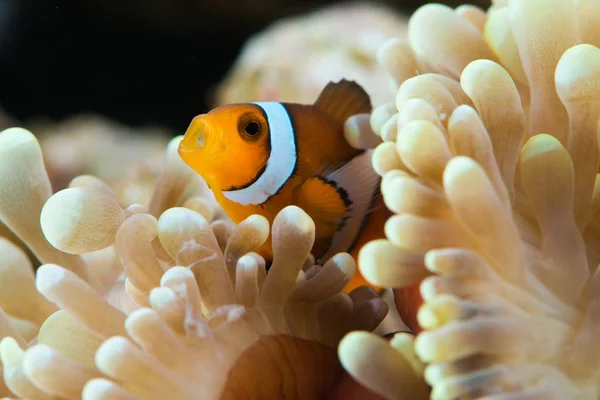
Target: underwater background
138,62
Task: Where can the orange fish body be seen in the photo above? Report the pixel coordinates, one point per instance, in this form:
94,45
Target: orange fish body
259,158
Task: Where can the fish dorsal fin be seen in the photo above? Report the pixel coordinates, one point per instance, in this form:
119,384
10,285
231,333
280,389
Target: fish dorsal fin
340,100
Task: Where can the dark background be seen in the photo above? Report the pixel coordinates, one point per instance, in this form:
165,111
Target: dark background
137,61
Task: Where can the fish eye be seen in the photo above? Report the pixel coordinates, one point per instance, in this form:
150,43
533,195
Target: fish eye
252,128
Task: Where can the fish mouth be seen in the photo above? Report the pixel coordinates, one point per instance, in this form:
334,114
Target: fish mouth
200,136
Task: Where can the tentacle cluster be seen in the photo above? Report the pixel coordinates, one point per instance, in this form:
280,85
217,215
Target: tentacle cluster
166,302
490,163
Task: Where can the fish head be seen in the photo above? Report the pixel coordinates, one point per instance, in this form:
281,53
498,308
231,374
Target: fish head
228,146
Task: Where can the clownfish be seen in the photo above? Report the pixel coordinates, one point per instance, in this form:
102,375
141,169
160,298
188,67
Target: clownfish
258,158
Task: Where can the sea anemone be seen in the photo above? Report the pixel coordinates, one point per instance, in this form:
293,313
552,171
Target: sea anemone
168,301
293,59
80,145
490,164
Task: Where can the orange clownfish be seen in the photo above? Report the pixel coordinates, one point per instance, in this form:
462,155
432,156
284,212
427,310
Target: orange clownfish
258,158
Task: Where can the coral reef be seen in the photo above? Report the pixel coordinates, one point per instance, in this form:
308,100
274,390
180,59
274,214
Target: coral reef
163,301
295,58
490,163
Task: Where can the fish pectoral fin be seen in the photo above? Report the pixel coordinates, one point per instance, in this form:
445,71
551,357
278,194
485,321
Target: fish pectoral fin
343,99
324,202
